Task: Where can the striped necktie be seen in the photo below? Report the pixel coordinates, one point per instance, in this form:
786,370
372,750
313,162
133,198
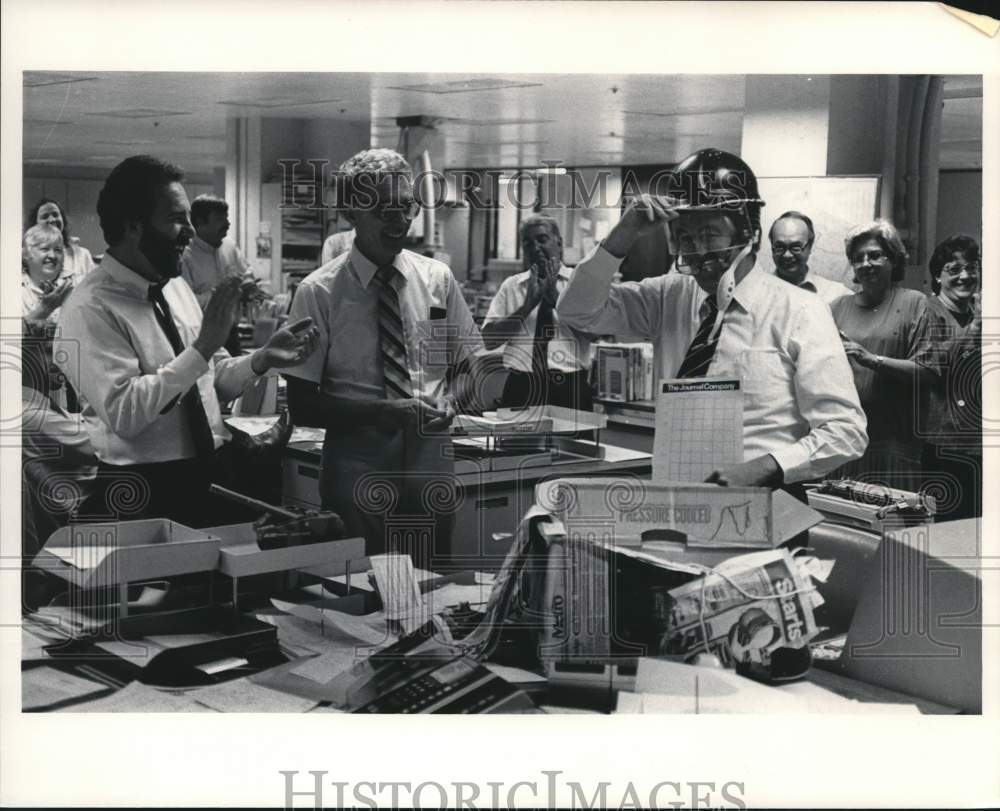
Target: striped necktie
702,348
396,375
194,408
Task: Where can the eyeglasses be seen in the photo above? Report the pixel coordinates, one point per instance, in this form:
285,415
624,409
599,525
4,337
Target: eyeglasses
690,264
954,269
408,209
873,257
795,249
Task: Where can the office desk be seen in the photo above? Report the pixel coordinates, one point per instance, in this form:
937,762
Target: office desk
76,687
492,501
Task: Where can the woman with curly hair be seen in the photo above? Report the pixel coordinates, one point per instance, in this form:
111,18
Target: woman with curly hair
78,261
887,331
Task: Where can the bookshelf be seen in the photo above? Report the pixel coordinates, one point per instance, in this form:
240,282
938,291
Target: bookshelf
297,233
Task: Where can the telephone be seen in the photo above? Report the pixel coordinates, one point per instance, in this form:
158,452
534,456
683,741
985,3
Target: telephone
418,674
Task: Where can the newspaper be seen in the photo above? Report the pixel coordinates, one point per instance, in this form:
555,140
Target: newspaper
745,608
508,587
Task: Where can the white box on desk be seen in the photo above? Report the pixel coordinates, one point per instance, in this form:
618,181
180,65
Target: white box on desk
116,552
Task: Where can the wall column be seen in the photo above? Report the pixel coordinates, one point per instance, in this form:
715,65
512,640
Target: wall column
786,125
243,150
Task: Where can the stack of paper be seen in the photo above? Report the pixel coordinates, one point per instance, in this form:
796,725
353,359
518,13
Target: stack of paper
699,428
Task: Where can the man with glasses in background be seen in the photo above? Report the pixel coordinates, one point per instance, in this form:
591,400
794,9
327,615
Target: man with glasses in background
393,328
792,237
721,316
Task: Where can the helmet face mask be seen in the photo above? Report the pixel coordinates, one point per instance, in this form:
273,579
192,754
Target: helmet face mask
702,238
712,185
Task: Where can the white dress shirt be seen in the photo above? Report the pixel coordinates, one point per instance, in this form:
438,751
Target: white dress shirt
799,400
342,300
203,266
569,351
77,260
827,289
117,357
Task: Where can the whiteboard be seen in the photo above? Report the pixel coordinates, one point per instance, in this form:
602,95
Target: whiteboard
834,204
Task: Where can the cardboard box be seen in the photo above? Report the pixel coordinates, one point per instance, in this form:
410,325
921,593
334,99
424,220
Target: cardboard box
606,592
117,552
627,511
917,627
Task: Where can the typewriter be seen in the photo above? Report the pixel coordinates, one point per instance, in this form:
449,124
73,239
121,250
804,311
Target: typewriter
872,507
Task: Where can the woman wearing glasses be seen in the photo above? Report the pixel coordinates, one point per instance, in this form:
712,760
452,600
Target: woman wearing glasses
954,268
886,331
952,461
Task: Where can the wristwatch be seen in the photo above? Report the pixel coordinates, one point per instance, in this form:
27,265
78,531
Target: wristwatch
879,360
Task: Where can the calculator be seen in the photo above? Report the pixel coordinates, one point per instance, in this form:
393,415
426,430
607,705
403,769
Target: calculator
460,685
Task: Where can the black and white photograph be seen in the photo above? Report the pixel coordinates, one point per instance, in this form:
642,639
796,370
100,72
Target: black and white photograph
364,371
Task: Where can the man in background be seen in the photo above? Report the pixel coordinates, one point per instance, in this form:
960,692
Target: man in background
211,257
792,237
548,362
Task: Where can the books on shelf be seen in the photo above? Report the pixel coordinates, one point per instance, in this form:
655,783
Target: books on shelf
623,372
298,265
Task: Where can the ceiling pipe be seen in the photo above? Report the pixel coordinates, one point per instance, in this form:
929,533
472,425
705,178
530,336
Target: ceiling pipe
422,165
427,194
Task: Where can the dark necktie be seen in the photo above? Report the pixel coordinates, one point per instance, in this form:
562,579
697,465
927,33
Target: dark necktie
201,431
702,348
392,344
545,327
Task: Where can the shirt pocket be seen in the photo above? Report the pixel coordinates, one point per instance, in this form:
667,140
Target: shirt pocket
765,373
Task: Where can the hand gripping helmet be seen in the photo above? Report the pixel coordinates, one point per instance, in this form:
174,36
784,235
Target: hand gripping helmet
713,180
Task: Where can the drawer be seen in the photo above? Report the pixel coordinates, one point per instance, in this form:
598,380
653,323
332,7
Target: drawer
486,511
300,483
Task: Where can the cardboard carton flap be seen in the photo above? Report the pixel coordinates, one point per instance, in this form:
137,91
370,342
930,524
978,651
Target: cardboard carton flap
627,511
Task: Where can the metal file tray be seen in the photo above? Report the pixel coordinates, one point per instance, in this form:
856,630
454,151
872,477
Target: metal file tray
240,556
166,645
116,552
492,424
531,420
